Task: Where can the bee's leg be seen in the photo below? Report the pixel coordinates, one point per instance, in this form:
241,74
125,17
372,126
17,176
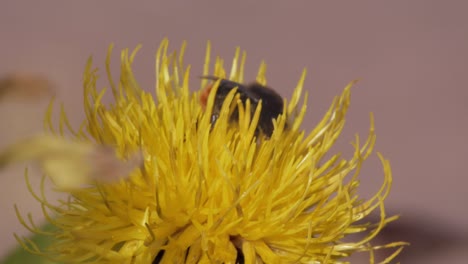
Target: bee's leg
214,117
158,257
240,257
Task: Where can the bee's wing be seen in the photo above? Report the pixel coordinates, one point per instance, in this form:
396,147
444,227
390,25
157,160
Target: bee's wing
268,95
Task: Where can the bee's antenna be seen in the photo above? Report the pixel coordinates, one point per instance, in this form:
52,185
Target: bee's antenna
209,77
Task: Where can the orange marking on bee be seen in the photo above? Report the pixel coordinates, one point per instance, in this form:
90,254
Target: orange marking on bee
204,95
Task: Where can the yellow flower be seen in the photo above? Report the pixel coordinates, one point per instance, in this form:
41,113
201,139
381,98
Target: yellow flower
211,193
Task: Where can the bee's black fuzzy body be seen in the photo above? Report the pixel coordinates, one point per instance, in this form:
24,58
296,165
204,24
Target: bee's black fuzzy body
272,102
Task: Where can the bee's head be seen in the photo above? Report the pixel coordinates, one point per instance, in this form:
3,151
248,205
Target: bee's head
225,86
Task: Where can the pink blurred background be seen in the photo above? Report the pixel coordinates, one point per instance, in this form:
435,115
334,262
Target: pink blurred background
410,56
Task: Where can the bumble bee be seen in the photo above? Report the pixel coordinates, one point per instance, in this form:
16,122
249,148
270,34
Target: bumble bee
272,102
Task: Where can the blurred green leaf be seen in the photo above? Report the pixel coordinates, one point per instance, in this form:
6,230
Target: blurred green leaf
21,256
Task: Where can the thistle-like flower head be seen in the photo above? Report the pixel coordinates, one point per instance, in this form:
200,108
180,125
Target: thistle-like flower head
210,192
